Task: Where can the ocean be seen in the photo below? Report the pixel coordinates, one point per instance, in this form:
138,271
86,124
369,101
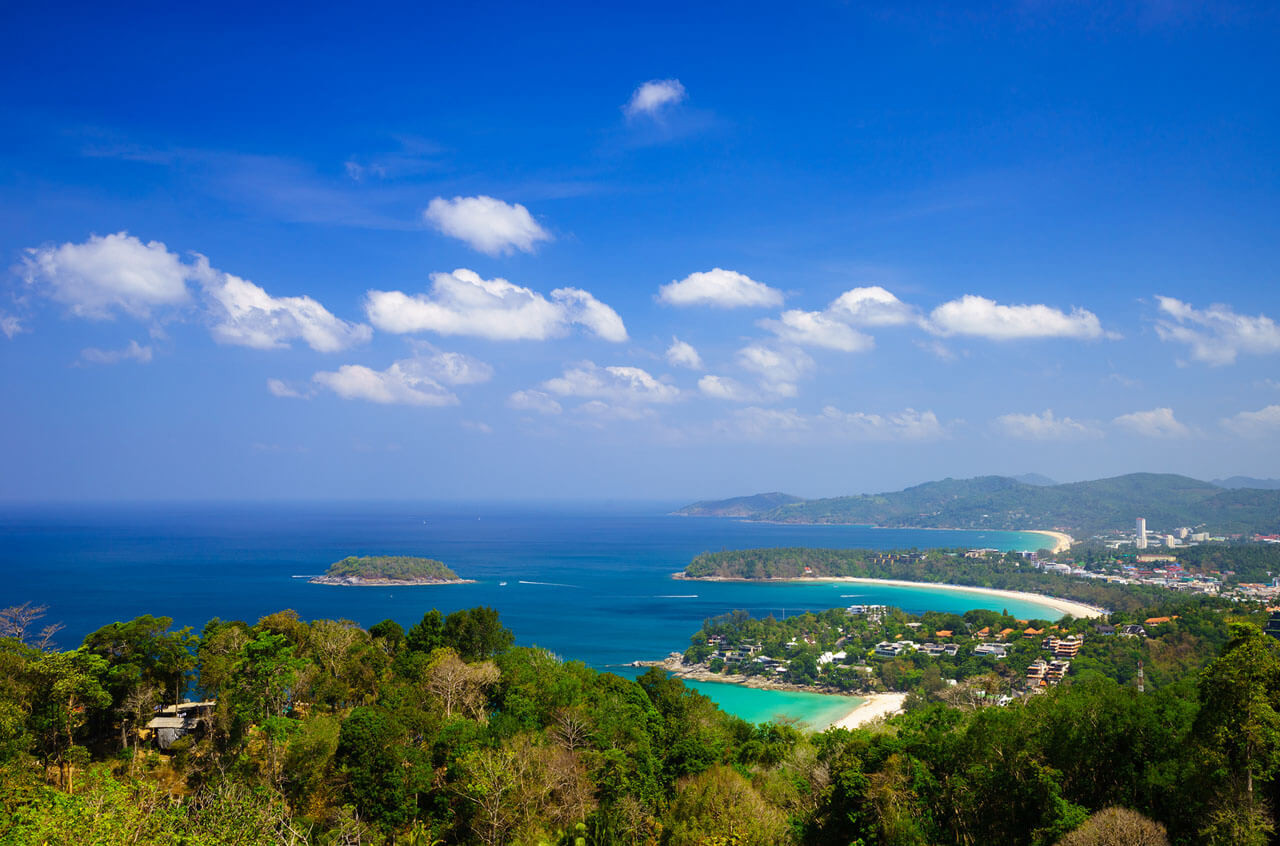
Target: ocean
588,583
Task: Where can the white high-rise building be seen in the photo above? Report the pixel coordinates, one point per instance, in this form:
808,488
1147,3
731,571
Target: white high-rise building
1141,541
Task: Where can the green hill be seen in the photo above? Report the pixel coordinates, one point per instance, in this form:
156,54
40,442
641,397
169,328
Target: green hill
739,506
999,502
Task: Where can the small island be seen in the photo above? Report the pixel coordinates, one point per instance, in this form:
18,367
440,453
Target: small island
385,570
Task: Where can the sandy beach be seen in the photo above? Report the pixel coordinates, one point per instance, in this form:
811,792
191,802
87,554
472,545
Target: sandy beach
1062,606
875,706
1062,540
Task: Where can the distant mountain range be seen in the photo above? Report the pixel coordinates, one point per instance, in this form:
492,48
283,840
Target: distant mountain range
1000,502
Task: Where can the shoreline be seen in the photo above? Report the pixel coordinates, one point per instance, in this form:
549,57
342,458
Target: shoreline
877,706
699,673
359,581
1062,540
1062,606
870,708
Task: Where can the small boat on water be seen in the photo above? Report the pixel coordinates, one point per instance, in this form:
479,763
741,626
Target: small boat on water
502,584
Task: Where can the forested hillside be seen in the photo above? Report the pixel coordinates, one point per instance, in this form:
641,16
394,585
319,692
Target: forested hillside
321,732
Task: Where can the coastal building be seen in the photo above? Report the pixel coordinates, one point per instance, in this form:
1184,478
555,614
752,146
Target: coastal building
1273,624
174,721
1068,647
885,649
1056,671
995,650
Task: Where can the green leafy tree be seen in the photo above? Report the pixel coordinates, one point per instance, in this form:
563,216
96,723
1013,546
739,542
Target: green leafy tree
1239,731
369,753
477,633
428,634
68,691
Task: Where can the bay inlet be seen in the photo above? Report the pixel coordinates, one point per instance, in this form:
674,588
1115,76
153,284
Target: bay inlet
591,584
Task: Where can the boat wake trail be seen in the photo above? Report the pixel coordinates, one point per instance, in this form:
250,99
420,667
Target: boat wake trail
547,584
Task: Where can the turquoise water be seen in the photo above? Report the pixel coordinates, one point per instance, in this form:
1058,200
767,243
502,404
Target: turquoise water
815,710
591,584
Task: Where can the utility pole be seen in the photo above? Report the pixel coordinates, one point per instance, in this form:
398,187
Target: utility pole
1141,679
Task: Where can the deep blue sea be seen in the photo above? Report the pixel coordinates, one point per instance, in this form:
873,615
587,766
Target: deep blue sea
589,583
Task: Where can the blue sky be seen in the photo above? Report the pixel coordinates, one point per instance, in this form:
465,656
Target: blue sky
664,252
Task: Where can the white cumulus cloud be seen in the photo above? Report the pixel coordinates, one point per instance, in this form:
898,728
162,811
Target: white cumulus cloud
1217,334
778,368
1043,427
538,401
818,329
624,384
282,389
393,386
1156,423
419,380
118,273
871,306
652,97
11,325
486,224
1263,422
244,314
133,352
984,318
681,354
106,274
724,388
836,326
720,288
462,303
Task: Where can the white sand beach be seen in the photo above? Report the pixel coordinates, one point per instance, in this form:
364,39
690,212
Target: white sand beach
1062,606
875,706
1062,540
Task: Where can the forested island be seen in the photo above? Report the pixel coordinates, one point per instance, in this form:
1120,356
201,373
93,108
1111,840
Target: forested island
322,732
1004,503
381,570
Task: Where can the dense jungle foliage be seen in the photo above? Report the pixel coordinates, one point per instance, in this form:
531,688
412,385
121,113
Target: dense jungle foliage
326,733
